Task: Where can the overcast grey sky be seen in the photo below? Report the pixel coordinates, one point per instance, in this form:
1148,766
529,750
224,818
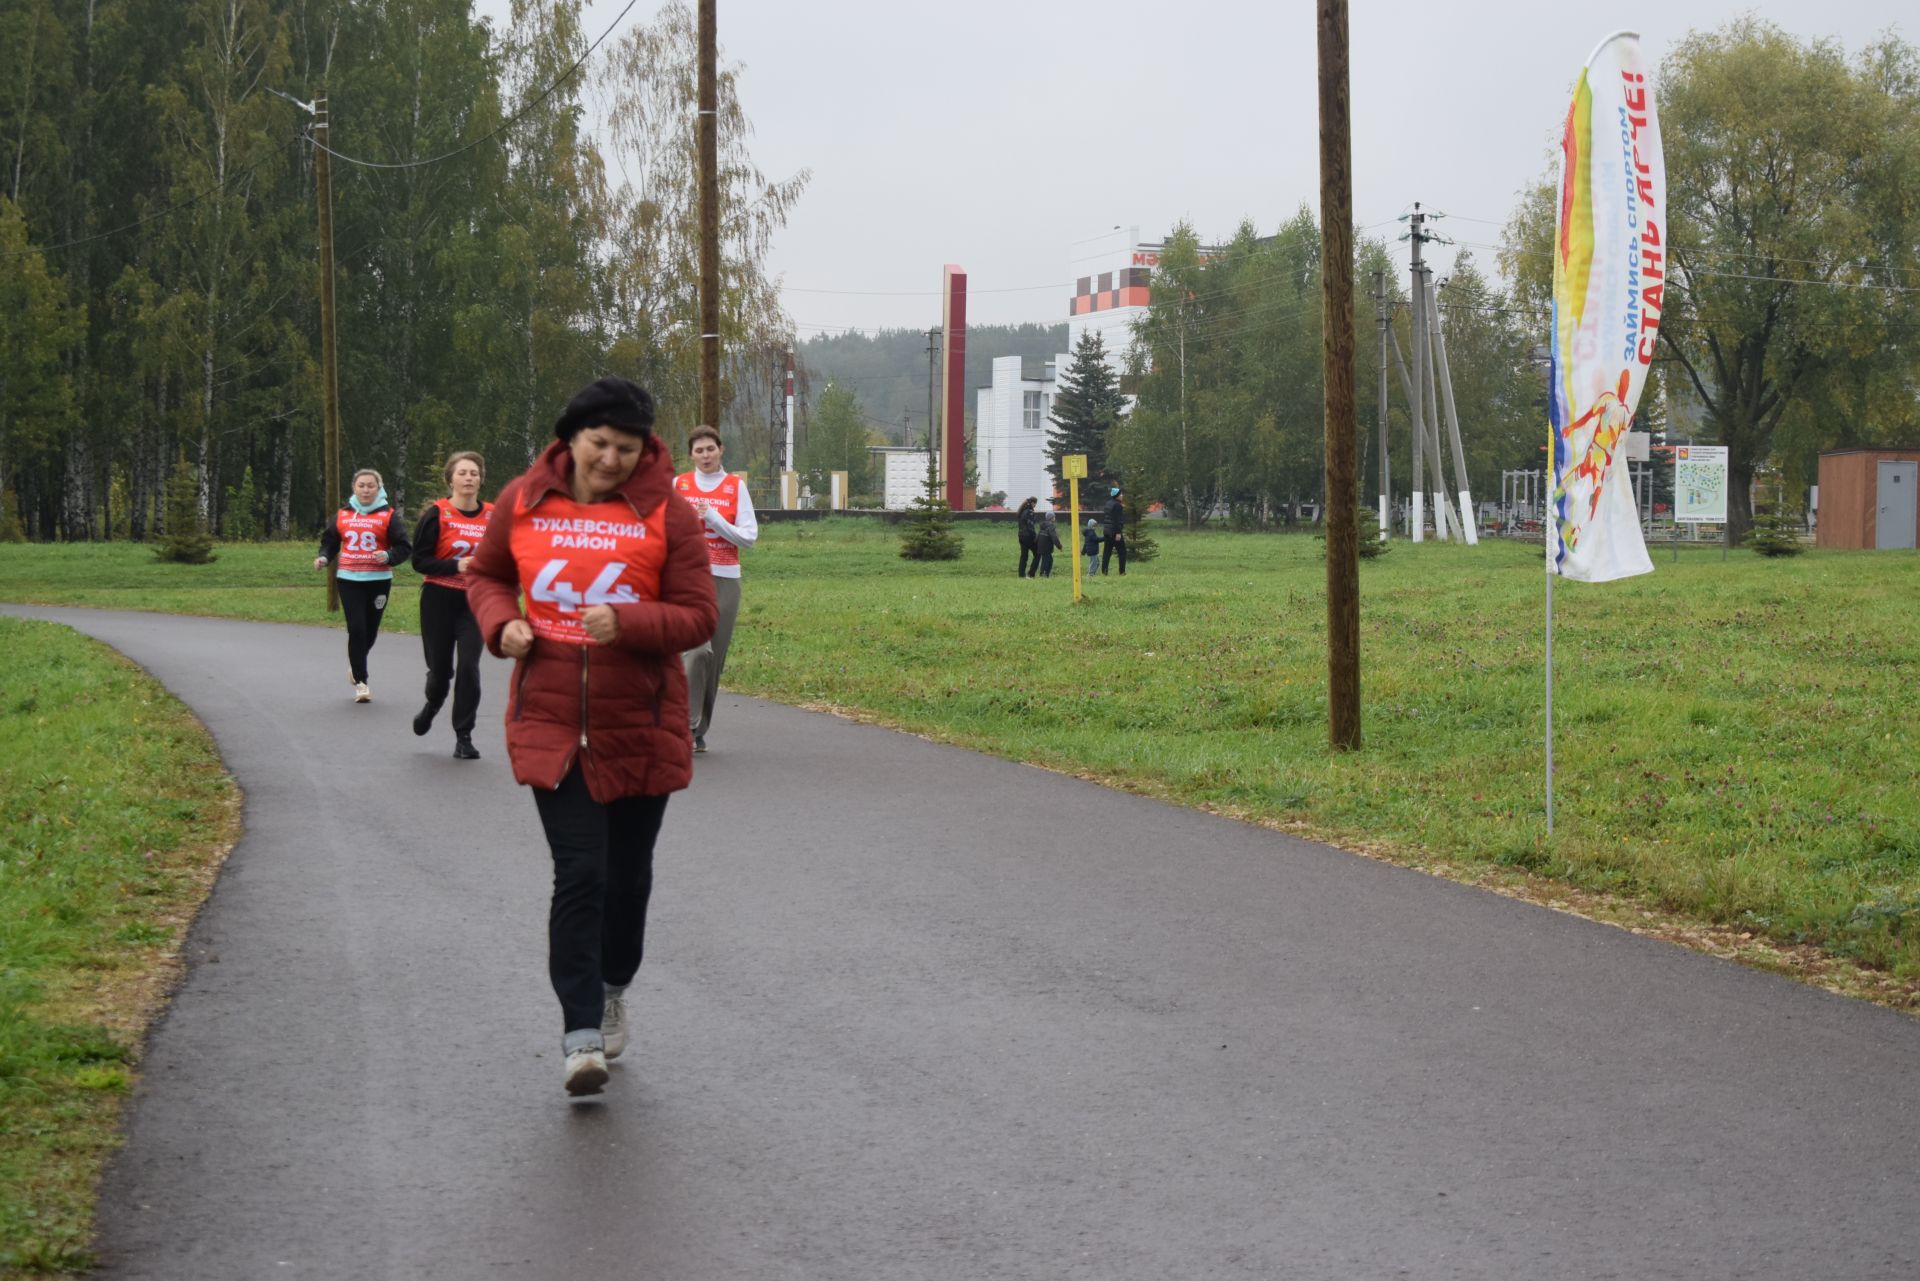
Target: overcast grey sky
993,133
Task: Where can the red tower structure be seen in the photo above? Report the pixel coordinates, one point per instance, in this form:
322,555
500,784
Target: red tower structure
953,387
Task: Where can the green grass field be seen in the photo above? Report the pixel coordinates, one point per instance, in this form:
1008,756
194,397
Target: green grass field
1735,740
114,810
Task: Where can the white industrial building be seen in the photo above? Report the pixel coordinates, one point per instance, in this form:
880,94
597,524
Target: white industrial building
1011,427
904,475
1011,430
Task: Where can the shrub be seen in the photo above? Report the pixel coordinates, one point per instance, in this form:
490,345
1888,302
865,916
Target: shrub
10,530
185,540
1367,530
1775,532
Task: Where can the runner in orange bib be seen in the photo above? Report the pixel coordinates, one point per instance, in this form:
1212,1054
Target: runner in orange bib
726,509
613,571
367,540
443,545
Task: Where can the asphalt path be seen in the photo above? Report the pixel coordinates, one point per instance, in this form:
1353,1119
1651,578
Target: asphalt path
909,1012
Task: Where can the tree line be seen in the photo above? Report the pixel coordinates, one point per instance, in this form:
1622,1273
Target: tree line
1792,306
1224,370
159,280
1791,312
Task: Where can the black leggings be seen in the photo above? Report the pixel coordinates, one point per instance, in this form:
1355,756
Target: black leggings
1029,560
602,879
364,604
447,627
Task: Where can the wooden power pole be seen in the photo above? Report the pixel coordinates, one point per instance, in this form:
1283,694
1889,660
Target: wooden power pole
329,349
707,136
1336,318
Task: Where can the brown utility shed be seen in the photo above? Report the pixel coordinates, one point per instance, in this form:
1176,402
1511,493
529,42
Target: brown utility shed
1867,498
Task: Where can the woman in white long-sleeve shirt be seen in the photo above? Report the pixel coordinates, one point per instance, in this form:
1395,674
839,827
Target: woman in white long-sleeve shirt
723,504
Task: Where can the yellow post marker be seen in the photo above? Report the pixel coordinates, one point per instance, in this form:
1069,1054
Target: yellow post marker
1073,467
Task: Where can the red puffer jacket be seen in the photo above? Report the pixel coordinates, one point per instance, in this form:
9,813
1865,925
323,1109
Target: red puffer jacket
620,708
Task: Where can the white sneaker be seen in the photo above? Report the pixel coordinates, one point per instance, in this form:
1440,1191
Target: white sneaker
586,1071
361,694
613,1023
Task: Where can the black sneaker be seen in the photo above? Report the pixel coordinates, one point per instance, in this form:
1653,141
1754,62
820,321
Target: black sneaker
464,750
423,719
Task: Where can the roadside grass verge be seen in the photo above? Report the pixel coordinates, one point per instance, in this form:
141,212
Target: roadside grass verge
268,582
1735,741
114,814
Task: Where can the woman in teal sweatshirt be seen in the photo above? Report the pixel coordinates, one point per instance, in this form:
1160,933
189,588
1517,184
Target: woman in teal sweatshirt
366,539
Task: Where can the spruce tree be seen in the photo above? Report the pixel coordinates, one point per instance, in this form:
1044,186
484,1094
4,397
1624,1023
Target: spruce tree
10,530
1141,546
242,523
185,540
930,534
1776,531
1086,406
1367,531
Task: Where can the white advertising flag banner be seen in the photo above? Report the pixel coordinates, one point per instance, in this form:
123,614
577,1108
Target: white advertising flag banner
1609,287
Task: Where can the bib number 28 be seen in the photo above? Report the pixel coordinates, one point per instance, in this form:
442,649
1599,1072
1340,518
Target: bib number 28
361,540
549,588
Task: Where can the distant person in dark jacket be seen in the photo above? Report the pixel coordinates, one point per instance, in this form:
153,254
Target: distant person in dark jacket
1046,541
1116,531
1029,546
1090,545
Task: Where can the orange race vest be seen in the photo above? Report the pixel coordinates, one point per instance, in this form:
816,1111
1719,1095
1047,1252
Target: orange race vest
726,501
573,556
363,540
459,535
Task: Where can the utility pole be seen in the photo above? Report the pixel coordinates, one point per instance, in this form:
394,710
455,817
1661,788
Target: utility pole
774,419
329,349
787,461
1336,312
329,344
1418,378
933,357
1467,523
707,132
1436,459
1386,468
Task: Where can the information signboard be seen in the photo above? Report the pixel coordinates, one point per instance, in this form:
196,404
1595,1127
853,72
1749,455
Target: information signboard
1700,484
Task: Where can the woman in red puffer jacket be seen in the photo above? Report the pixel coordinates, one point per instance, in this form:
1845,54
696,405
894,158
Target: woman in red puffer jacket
614,572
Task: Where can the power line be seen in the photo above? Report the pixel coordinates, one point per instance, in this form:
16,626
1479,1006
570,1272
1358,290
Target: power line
248,172
1734,275
925,293
504,125
1257,254
156,216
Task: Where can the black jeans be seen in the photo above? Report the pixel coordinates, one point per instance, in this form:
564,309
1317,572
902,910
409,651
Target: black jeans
1029,560
1114,542
602,879
364,604
447,626
1044,559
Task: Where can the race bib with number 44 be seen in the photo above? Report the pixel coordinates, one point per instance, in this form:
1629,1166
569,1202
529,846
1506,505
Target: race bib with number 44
573,556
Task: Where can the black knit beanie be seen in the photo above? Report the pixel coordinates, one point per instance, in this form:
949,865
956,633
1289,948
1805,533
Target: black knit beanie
609,402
